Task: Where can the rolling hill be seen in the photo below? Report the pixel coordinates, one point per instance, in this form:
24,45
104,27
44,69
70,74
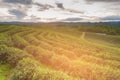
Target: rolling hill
57,53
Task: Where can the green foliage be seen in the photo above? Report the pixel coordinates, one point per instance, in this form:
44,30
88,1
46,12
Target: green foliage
28,69
101,29
25,70
11,55
39,54
5,39
4,29
5,72
19,42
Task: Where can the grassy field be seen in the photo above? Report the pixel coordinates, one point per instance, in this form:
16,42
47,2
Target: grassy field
57,53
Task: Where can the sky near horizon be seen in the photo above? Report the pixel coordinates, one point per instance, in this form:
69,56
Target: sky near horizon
59,10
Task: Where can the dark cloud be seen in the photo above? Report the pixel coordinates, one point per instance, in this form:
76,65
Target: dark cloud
72,19
33,18
111,18
74,11
43,6
19,14
27,2
60,5
50,19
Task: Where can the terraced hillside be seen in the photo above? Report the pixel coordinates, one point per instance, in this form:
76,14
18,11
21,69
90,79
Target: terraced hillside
58,53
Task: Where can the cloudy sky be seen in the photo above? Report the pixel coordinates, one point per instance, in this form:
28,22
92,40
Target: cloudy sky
59,10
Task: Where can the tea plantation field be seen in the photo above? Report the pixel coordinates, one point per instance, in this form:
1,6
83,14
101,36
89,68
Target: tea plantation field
57,53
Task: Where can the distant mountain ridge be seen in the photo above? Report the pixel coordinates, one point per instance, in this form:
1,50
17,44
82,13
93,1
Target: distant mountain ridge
65,23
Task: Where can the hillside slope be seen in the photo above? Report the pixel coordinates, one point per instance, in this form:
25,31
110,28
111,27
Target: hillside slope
59,53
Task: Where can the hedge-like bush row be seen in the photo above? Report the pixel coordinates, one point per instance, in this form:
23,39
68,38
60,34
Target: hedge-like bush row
19,42
11,55
28,69
5,39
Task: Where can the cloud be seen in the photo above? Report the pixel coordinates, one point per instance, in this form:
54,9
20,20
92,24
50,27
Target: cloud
60,5
26,2
110,18
102,1
72,19
19,14
35,17
7,18
43,6
76,1
74,11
